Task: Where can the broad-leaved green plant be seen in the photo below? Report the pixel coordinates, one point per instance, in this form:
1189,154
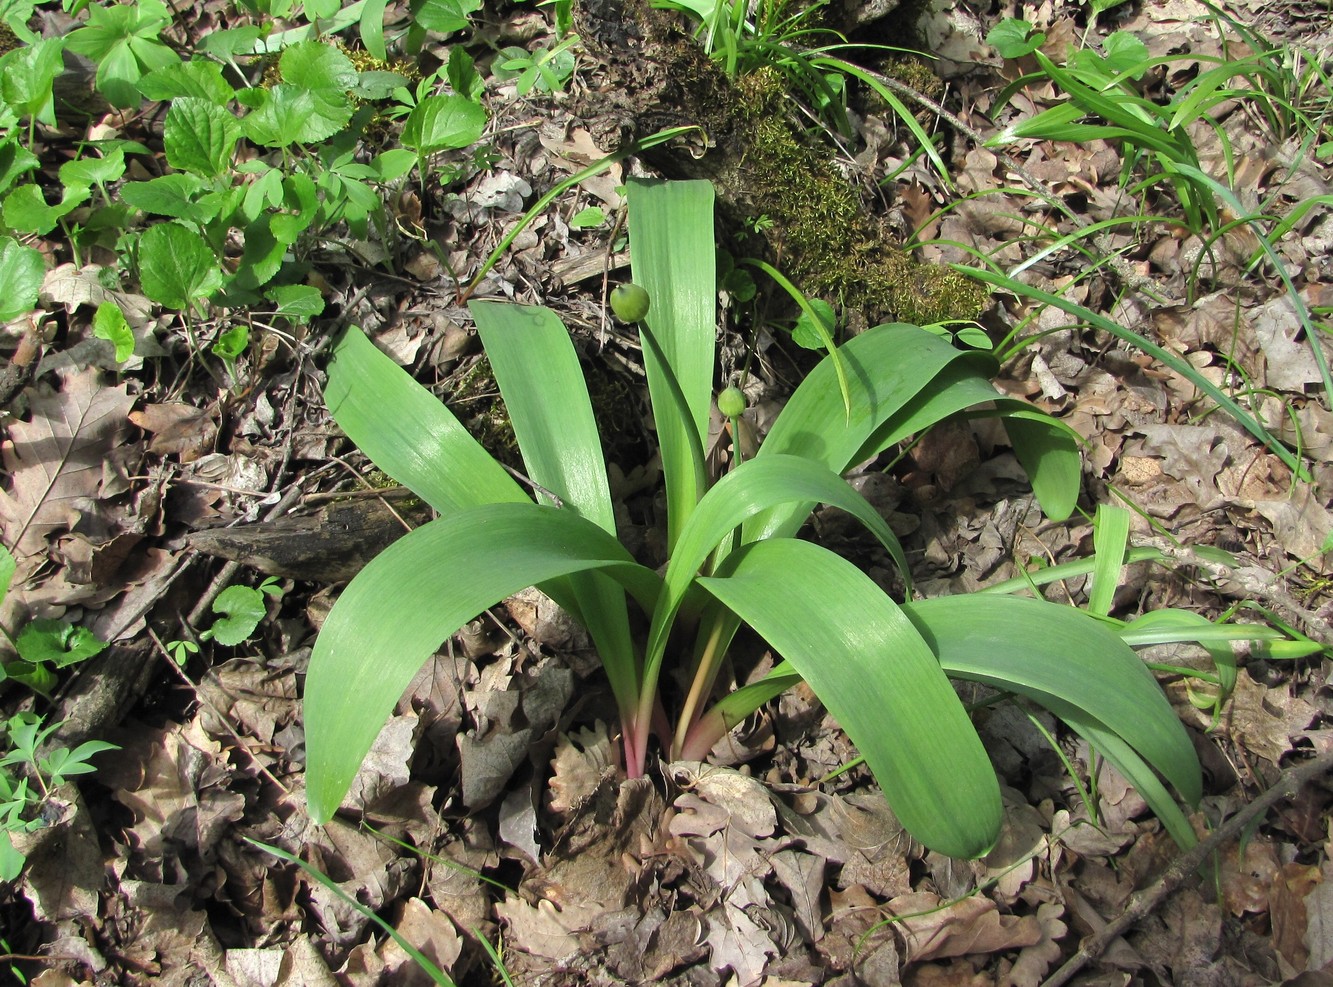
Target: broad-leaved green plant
882,668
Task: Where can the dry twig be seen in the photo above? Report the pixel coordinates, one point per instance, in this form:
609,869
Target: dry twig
1146,901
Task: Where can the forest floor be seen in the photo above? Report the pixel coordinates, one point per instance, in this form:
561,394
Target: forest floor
490,826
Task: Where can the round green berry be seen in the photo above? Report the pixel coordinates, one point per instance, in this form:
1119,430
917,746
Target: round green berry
731,402
629,302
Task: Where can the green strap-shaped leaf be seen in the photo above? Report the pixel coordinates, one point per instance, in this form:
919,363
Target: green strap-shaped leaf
1041,649
1047,448
674,259
870,667
1126,760
546,397
411,597
753,486
408,433
1110,539
901,380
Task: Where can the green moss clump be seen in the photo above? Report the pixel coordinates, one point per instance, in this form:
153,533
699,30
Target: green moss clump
820,231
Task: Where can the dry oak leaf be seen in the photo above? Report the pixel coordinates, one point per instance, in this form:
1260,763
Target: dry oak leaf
56,459
73,286
933,929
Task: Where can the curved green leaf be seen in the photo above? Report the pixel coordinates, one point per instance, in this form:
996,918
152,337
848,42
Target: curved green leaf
902,379
754,486
1047,448
1042,650
408,433
411,597
870,667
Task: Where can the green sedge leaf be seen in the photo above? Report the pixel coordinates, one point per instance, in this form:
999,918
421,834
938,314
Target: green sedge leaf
7,566
870,667
22,271
371,28
176,268
200,137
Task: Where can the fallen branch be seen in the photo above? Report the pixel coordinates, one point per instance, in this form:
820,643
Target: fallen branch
1146,901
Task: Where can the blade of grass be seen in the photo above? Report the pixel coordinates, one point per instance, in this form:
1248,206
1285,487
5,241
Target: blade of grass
825,336
1110,538
1138,341
428,967
559,189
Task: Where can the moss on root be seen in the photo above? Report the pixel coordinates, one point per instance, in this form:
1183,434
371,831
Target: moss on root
821,232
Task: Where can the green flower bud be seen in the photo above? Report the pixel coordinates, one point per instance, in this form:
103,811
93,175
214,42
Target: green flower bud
629,302
731,402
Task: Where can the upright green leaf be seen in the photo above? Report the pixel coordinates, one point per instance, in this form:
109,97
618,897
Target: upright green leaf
674,258
869,666
544,393
1110,538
